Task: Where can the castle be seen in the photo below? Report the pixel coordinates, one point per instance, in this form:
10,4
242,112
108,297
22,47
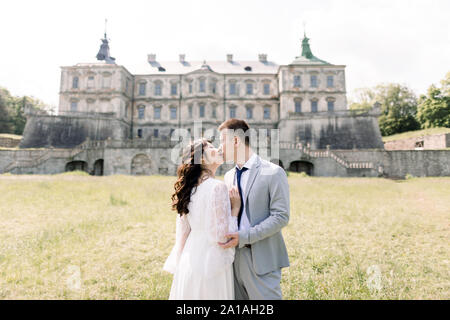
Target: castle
115,120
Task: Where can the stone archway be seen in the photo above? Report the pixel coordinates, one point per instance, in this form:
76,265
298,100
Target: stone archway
98,167
141,165
76,165
302,166
163,166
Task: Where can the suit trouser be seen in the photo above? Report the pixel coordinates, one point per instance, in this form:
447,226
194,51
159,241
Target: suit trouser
250,286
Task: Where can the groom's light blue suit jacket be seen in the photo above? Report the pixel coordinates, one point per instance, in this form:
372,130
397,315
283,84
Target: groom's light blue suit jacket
267,208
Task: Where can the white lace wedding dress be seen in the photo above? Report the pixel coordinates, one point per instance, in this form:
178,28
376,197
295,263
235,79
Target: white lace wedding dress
201,268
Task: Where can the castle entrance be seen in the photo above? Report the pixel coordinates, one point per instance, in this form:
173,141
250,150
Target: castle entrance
141,165
302,166
98,167
76,165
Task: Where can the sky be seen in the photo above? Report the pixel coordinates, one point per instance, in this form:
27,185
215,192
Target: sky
402,41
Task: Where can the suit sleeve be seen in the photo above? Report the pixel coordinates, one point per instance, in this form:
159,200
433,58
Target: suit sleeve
279,211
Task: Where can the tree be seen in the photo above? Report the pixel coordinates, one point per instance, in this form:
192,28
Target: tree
5,118
434,108
398,107
12,111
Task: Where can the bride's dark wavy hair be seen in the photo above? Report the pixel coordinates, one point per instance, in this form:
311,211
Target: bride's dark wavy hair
189,172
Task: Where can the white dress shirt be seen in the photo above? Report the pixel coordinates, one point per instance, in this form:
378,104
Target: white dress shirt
245,223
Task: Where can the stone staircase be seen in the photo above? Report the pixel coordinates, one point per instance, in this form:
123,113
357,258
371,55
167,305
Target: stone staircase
49,153
327,154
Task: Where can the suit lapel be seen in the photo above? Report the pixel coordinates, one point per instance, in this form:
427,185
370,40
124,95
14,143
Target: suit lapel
253,173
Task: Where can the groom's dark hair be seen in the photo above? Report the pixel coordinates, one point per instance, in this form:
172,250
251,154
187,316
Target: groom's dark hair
236,124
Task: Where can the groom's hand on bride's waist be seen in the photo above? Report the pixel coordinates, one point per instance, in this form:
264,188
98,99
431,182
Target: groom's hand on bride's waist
233,241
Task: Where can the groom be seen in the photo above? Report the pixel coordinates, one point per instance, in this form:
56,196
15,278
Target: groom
263,186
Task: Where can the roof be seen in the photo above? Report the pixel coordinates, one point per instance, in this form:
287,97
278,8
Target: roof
225,67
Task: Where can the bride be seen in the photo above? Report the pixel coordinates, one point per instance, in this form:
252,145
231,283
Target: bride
206,212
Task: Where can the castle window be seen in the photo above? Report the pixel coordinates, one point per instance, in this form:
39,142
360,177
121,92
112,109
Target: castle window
155,133
75,83
314,81
190,111
73,106
233,112
232,87
313,105
139,133
249,112
330,81
249,88
201,111
173,89
298,105
106,80
190,87
173,113
330,105
202,85
161,69
157,112
266,112
142,89
214,112
297,82
158,88
90,82
141,112
248,68
213,86
266,88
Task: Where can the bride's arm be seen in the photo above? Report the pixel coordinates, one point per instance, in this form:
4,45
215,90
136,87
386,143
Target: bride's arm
220,221
182,232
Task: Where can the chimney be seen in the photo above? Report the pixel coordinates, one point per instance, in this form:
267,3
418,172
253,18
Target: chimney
229,57
151,57
262,57
182,58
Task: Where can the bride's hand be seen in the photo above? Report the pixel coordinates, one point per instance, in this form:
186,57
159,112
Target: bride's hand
235,199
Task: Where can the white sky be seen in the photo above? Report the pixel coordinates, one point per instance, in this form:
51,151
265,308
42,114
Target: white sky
405,41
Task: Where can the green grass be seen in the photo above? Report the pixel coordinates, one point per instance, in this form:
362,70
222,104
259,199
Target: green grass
415,134
116,232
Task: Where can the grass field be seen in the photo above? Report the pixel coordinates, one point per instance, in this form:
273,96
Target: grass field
73,236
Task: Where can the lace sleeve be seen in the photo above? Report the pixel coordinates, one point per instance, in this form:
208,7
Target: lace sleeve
220,215
219,223
182,232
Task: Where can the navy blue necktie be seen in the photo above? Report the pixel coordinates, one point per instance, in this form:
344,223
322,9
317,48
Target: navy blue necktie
238,178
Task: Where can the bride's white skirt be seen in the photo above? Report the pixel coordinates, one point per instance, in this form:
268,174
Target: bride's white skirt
197,276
